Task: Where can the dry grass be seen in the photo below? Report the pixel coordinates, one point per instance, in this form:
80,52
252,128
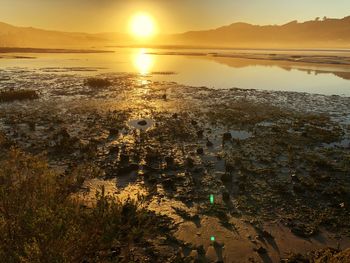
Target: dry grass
41,222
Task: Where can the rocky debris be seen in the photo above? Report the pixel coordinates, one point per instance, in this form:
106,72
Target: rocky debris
200,151
169,160
227,136
303,230
194,254
211,255
261,250
326,255
226,196
124,158
128,168
226,177
113,132
114,149
200,133
209,143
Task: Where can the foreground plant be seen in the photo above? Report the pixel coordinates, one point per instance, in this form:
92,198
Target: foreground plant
41,222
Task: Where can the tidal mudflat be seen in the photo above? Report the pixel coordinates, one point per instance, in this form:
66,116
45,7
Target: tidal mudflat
243,175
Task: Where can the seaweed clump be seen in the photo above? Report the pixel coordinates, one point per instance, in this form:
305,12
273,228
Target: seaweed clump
98,83
13,95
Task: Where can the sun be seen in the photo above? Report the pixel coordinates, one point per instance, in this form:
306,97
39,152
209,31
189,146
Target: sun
142,25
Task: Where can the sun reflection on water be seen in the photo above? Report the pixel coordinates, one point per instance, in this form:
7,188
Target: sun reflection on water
143,62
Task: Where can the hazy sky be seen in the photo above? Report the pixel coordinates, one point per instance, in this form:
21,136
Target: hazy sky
171,15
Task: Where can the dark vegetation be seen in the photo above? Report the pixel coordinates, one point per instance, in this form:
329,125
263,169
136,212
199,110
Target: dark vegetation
13,95
98,83
292,167
41,221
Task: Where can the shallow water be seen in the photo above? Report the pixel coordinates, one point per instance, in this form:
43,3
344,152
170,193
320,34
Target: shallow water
195,70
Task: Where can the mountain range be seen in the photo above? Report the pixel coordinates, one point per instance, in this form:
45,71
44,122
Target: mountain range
325,33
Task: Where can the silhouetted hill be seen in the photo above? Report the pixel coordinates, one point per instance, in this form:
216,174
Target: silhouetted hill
326,33
317,33
11,36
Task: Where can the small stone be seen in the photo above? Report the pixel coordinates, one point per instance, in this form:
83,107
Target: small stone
295,178
200,133
209,143
32,126
211,255
142,123
113,132
227,136
261,250
130,168
114,150
190,162
200,151
194,254
229,167
226,196
124,158
226,178
169,160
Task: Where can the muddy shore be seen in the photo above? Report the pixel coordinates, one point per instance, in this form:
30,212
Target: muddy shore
245,175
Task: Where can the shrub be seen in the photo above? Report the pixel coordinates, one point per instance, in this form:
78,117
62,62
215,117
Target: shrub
41,222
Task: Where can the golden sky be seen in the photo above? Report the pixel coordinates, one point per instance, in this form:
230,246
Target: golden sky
171,16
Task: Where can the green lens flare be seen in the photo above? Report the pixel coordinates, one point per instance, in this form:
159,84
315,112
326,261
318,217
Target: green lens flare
211,198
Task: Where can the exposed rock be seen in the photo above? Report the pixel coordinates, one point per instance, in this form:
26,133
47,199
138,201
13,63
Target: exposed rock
211,255
194,254
209,143
200,133
226,177
200,151
261,250
142,123
113,132
124,158
227,136
226,196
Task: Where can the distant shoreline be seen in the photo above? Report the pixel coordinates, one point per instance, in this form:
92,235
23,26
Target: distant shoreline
50,50
231,48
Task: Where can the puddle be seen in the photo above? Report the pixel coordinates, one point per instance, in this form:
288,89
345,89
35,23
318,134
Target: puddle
345,143
266,124
240,134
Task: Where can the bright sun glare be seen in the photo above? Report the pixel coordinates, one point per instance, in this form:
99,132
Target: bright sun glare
143,62
142,25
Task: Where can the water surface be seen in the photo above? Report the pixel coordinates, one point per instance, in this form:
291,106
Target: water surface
198,70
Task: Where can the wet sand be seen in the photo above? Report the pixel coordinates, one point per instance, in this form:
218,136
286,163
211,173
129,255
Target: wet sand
276,163
320,57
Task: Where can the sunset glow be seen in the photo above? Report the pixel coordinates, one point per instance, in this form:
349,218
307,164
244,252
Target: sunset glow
143,62
142,25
